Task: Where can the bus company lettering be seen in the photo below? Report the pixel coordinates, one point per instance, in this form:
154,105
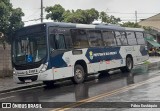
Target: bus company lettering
104,54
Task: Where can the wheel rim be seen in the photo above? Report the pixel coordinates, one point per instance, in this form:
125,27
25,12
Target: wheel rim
129,63
79,74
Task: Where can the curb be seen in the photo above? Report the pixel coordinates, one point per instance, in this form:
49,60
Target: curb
22,87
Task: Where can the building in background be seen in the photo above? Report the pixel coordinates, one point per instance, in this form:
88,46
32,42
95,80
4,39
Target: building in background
153,36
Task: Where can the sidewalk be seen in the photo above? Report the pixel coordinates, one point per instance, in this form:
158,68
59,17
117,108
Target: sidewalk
7,83
153,59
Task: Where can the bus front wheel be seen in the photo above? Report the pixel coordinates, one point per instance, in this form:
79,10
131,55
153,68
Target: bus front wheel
79,74
129,65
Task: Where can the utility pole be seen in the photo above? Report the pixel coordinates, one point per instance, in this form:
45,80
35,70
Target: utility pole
41,11
136,16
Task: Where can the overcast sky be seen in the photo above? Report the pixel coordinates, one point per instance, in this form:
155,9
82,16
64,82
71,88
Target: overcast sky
123,9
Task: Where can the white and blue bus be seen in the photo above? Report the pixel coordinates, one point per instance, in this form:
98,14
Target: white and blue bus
54,51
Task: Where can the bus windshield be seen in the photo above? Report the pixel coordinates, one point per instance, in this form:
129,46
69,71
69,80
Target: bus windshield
29,48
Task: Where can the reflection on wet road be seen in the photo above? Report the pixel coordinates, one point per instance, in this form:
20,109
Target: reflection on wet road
97,86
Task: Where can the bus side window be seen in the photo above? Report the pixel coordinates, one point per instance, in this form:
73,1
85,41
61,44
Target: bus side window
52,42
68,39
131,38
140,38
108,38
123,38
95,38
79,38
60,41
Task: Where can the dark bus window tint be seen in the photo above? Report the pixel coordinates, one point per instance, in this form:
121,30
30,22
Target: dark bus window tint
57,30
131,38
57,41
94,38
52,42
60,41
68,39
121,38
140,38
108,38
79,38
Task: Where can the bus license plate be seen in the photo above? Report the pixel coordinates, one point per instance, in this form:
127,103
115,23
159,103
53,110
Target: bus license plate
28,80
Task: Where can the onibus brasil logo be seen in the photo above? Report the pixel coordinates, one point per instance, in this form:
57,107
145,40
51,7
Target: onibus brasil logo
91,55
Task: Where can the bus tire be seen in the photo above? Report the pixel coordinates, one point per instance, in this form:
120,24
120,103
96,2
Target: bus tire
48,83
79,74
129,65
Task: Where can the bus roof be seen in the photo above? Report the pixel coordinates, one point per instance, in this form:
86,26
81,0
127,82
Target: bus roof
90,26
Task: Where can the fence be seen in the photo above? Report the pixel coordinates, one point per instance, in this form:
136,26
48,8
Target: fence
5,61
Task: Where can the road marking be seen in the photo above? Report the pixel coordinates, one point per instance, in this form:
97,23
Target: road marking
7,97
114,92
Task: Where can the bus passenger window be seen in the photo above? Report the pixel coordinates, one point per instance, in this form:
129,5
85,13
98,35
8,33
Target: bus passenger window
108,38
140,38
59,41
131,38
79,38
118,38
52,42
95,38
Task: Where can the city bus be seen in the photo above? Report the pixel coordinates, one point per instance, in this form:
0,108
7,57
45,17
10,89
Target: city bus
52,51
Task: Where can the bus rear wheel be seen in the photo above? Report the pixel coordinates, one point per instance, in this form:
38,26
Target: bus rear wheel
79,74
129,65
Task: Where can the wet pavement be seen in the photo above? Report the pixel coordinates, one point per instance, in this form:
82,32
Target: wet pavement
141,85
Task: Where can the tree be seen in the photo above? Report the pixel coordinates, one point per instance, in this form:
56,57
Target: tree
131,24
58,13
11,19
108,19
91,15
103,16
81,16
55,12
15,21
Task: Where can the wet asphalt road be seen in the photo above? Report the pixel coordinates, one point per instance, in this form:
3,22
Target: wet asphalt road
141,85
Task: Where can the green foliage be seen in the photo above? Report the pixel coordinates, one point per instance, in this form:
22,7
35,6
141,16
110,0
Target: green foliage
109,19
131,24
58,13
10,20
55,12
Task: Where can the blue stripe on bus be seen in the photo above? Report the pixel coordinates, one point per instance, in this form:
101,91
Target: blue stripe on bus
57,61
143,50
98,54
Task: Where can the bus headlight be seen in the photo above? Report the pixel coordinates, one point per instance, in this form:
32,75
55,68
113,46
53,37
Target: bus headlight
44,68
14,71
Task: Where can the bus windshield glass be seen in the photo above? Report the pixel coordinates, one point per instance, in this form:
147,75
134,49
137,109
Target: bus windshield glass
29,48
